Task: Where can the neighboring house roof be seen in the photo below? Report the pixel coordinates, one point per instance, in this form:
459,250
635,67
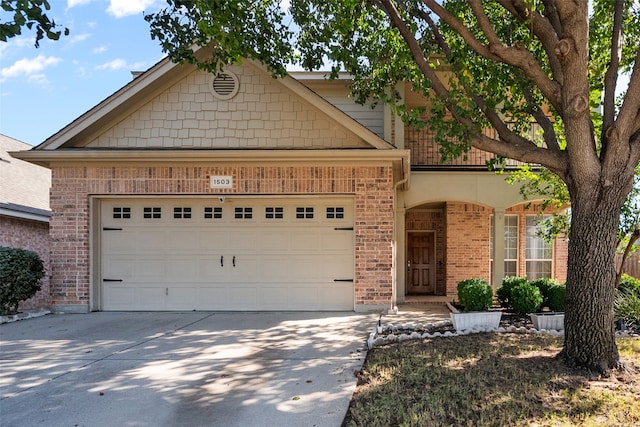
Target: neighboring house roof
24,187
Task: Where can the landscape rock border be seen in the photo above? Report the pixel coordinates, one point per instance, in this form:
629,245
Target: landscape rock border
388,334
29,314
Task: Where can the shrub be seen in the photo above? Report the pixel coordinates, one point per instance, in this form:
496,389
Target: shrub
525,298
557,297
475,295
629,283
504,291
544,283
627,305
20,274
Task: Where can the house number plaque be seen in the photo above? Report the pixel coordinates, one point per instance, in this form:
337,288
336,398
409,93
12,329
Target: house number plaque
221,181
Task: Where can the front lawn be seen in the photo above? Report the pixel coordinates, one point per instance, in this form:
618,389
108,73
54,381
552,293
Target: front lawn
491,379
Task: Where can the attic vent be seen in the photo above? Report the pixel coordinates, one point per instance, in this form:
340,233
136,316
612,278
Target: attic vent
225,85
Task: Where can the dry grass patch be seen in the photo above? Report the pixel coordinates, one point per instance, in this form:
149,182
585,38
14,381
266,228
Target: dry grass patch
491,380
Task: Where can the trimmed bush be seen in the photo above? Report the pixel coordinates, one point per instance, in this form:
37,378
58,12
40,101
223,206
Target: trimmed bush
627,305
557,297
629,283
20,273
475,295
504,291
525,298
544,283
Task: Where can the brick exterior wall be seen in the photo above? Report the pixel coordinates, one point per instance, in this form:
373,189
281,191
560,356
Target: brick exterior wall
467,243
32,235
462,241
372,187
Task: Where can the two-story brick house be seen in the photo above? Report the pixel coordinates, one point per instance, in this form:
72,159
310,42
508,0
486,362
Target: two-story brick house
188,191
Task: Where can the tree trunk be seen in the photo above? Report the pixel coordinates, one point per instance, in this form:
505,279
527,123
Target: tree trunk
589,317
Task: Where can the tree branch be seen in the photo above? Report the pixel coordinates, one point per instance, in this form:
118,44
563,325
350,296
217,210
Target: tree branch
611,75
509,144
628,121
520,58
543,28
549,133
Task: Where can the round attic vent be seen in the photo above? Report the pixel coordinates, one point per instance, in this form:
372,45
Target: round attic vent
224,85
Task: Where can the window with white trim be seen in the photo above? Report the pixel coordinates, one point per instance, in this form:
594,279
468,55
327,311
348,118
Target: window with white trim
538,252
510,244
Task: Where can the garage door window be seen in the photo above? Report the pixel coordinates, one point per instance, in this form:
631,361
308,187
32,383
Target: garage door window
304,213
335,213
122,213
243,213
213,213
274,213
152,213
181,213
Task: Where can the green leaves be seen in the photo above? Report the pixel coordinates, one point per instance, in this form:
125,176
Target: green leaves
29,14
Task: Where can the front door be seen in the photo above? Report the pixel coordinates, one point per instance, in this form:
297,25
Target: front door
421,266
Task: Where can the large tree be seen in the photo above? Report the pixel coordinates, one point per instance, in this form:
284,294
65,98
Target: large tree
507,64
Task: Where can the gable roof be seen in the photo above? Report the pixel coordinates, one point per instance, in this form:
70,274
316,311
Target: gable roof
148,85
24,187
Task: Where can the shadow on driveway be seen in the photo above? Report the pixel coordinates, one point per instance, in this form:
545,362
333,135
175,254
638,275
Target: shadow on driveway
181,369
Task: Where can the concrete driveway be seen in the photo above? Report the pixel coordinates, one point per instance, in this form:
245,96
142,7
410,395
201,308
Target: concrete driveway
181,369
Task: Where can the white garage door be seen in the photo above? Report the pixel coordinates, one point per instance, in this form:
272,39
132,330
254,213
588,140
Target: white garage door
241,254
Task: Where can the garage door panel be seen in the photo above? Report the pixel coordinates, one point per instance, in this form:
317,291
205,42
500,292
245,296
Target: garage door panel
150,269
337,241
148,298
243,298
211,240
118,268
174,263
118,296
274,241
243,240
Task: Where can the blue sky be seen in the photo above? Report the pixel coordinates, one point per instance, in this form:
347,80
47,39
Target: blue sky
44,89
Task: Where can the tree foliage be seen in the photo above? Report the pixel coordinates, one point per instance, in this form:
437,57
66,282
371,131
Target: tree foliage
18,14
543,74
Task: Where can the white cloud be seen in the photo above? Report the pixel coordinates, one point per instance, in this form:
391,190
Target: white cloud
29,67
100,49
122,8
79,37
73,3
119,64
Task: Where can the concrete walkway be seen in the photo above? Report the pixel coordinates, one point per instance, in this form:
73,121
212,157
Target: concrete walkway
181,369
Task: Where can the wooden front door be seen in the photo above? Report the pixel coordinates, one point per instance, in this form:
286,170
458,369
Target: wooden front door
421,263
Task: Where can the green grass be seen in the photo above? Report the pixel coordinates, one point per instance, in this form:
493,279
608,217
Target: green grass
491,380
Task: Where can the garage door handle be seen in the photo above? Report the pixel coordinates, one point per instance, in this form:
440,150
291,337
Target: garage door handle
343,280
112,280
221,260
343,228
233,260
